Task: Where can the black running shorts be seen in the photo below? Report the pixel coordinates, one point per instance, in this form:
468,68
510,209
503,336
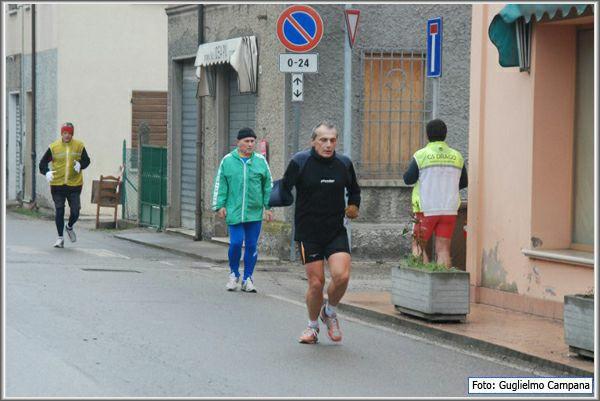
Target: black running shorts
312,252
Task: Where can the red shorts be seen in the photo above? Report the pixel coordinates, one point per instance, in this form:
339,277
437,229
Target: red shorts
443,226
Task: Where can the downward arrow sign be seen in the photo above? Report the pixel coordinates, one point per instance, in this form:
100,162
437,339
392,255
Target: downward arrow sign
297,93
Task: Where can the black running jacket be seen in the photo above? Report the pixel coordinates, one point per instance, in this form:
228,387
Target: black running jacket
320,195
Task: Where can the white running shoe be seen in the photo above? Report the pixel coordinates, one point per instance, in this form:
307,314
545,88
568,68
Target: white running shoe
309,336
70,233
232,284
333,325
248,285
60,243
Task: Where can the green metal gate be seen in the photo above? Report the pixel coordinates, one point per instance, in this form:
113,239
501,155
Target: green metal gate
153,192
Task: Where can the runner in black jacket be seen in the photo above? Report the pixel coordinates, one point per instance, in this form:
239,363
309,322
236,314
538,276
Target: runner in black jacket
321,178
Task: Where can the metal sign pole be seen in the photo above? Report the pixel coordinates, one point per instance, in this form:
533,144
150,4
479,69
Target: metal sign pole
297,115
347,136
434,114
298,63
435,98
434,71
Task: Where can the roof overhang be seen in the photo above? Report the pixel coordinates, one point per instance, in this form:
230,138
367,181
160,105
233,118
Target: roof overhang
507,25
241,53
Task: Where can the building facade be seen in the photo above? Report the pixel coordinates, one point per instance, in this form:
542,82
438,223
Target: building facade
531,139
391,102
90,58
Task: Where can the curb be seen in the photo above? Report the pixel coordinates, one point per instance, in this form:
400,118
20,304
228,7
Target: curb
482,346
175,251
191,254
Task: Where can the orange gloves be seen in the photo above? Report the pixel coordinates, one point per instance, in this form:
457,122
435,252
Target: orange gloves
352,211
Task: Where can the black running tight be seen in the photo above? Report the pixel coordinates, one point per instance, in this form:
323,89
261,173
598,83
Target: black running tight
72,195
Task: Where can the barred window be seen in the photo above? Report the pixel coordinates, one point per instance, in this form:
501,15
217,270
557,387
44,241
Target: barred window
394,112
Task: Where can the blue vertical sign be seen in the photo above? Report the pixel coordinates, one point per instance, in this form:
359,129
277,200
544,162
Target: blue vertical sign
434,47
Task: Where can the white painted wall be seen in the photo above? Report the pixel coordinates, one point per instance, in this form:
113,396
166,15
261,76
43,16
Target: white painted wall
105,51
11,151
18,25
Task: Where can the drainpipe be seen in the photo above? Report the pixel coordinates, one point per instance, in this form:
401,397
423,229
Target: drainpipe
199,140
33,144
21,191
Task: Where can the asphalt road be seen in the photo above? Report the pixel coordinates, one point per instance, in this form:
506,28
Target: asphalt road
107,318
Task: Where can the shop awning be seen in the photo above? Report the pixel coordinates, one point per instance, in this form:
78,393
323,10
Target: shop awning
240,53
502,30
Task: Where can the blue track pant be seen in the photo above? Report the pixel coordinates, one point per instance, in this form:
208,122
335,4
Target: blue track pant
246,233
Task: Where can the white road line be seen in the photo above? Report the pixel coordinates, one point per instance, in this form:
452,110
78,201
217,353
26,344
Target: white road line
417,338
291,301
103,253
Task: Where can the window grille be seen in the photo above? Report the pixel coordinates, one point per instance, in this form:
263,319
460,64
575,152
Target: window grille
394,110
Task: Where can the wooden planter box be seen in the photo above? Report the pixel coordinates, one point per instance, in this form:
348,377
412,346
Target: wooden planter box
579,324
434,296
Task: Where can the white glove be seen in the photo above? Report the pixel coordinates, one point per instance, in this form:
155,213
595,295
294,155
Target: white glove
77,167
50,176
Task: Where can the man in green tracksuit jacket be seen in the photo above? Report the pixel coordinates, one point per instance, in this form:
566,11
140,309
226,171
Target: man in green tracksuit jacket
241,194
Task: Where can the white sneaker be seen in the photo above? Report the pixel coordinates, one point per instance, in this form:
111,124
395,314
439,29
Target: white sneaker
232,284
71,233
60,243
248,286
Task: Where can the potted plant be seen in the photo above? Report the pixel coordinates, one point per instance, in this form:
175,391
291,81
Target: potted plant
578,316
429,290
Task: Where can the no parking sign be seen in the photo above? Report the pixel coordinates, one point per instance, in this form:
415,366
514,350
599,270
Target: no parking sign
300,28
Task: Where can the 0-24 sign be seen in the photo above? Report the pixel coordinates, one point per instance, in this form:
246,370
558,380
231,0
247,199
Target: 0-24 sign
299,62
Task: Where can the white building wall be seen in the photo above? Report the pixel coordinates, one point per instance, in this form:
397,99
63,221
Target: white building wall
105,51
18,29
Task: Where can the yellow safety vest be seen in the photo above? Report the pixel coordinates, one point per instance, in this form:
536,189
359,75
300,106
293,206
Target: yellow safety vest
436,192
64,156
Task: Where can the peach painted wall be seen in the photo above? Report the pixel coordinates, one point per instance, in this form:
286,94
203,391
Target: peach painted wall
501,143
512,114
553,70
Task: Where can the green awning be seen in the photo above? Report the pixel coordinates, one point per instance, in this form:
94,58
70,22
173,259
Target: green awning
502,31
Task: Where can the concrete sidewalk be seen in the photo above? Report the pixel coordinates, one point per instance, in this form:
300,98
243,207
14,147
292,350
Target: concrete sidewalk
499,332
180,244
488,328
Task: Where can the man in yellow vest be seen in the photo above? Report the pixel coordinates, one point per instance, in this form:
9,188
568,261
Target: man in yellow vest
439,173
68,157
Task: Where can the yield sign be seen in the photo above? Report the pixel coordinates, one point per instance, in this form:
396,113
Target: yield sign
352,24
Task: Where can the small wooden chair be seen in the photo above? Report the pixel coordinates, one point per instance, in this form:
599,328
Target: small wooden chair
108,195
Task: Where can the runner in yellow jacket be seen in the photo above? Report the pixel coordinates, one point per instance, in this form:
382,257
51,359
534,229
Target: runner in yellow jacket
68,157
439,173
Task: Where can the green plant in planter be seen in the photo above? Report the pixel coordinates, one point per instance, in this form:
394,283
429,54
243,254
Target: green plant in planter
416,261
429,290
